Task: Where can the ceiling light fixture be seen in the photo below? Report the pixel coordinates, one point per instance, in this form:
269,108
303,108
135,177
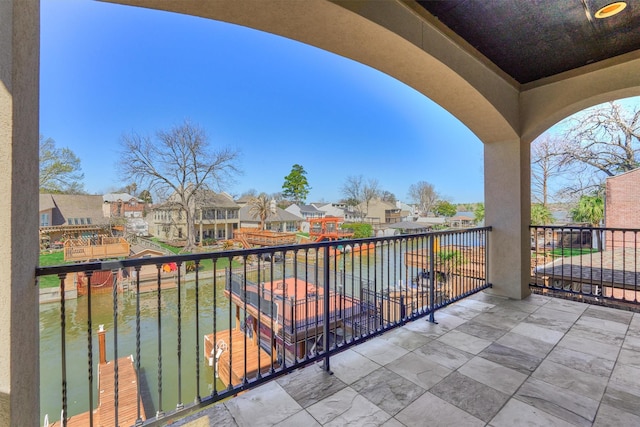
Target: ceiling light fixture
611,9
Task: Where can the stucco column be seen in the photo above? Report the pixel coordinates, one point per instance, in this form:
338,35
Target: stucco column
507,184
19,91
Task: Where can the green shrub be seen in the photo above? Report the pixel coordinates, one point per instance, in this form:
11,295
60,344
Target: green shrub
360,229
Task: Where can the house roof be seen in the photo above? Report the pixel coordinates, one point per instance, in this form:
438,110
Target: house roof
46,202
218,200
309,208
206,199
431,220
462,218
244,214
631,172
409,225
244,199
76,206
114,197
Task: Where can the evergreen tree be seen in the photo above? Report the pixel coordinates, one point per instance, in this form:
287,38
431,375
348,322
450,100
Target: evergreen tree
296,187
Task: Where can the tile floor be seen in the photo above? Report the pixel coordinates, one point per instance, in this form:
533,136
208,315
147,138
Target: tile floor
488,361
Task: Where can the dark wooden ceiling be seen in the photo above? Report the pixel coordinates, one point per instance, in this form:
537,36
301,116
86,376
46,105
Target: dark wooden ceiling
533,39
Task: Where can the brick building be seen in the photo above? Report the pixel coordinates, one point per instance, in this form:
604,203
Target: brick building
622,206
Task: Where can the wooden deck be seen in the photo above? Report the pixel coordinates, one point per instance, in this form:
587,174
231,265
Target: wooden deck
104,415
250,237
472,262
236,374
86,249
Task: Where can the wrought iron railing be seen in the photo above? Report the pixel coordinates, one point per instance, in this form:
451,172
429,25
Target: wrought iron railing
198,328
597,265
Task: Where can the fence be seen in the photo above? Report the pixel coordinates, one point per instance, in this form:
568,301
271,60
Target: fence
598,265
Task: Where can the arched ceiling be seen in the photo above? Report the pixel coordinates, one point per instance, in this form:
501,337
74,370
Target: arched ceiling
508,70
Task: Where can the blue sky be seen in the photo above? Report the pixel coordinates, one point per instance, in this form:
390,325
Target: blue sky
107,70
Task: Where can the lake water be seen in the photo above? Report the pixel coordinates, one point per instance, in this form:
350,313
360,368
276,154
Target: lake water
102,313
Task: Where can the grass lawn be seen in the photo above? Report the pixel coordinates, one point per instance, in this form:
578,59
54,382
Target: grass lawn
566,252
205,264
176,250
53,258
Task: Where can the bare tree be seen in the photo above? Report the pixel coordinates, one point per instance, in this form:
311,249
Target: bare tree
423,195
359,193
546,163
600,142
181,163
388,196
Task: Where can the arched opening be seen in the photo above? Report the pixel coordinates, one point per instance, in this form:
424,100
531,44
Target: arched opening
511,116
393,133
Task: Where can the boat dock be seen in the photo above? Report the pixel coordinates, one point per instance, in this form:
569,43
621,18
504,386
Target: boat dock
104,415
256,357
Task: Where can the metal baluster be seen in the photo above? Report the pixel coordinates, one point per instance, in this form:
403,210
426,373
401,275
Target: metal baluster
635,266
257,331
197,302
487,243
159,412
115,344
90,347
63,346
432,278
326,309
315,298
215,336
375,288
284,312
180,405
274,314
245,380
306,300
344,288
231,290
138,373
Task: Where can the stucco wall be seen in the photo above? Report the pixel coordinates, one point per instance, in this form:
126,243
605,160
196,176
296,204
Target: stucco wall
19,92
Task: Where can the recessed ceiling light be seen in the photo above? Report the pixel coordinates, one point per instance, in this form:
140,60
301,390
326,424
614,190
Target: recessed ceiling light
611,9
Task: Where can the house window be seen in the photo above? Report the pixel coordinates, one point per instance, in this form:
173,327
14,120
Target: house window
89,221
44,220
82,221
179,233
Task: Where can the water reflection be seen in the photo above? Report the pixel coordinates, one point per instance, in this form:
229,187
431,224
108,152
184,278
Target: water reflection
102,309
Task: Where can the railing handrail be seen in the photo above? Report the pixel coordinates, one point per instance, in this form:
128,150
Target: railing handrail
599,265
353,302
165,259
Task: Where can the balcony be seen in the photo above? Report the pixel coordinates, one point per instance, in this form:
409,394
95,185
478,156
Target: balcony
236,319
400,322
487,361
504,115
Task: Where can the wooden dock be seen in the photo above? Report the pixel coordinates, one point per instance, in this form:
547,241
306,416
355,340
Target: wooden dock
236,374
104,415
127,393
